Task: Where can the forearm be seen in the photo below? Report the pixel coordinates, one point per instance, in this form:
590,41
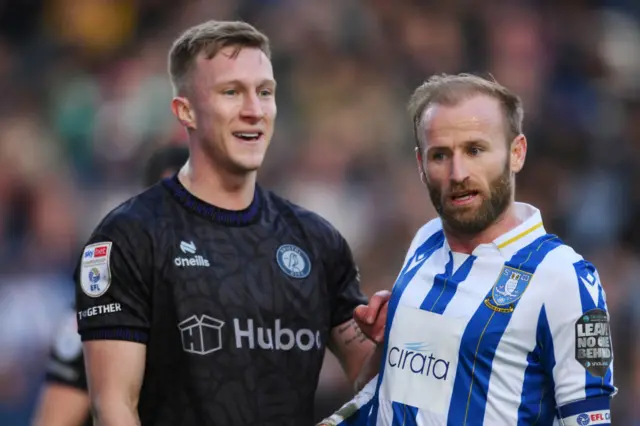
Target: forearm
61,405
111,412
115,371
369,368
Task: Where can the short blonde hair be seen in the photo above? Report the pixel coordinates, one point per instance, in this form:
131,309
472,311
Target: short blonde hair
450,90
210,37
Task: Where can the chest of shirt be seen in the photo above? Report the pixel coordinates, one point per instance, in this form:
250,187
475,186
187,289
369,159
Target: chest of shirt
255,286
450,326
485,303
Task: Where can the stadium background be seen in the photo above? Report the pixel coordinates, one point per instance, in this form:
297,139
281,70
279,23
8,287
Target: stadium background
85,99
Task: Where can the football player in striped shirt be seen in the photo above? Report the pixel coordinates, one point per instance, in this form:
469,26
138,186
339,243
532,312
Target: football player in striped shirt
492,321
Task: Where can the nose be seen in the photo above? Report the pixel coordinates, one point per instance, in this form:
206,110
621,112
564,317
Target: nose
459,169
251,107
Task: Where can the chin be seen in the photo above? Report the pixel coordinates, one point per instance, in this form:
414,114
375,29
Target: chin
247,166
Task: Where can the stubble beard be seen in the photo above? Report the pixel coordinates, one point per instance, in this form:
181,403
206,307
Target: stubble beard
473,220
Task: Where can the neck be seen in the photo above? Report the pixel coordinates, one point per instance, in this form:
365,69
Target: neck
467,243
214,185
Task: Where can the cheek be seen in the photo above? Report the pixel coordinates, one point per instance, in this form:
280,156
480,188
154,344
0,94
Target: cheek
435,180
489,169
435,174
487,180
270,110
214,117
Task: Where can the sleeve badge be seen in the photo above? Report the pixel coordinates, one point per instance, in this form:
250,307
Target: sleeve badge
95,271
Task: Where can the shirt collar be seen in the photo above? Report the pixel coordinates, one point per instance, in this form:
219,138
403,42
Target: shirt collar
530,228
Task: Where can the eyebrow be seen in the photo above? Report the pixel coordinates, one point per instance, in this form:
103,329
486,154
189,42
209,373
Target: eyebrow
431,149
236,82
474,141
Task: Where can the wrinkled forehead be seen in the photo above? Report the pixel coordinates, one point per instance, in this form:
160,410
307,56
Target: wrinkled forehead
476,117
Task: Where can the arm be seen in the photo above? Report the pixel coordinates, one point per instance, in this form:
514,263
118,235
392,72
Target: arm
372,321
64,400
354,350
373,318
370,368
115,370
113,302
61,405
346,341
369,322
578,353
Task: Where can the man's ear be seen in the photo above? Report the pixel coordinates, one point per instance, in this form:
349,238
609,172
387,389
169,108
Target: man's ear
421,171
181,108
518,153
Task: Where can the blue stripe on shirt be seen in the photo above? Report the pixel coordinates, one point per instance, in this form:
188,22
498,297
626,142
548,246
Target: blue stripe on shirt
403,414
437,299
537,401
445,286
584,406
485,330
414,263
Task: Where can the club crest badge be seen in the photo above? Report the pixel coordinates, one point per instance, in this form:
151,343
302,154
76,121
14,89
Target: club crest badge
509,287
293,261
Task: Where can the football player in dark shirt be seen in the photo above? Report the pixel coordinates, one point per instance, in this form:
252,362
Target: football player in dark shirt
208,300
64,400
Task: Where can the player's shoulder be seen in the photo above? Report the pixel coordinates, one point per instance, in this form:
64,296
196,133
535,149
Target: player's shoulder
429,231
134,215
426,231
567,268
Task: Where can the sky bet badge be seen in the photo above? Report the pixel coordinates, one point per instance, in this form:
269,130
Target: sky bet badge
95,273
508,289
593,342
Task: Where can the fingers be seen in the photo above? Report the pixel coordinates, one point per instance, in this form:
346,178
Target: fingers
384,295
367,314
374,306
361,314
380,324
378,299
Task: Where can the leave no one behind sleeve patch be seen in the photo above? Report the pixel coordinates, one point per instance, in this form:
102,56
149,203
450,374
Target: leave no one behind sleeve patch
593,342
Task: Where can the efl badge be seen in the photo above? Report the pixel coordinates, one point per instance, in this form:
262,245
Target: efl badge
95,273
508,289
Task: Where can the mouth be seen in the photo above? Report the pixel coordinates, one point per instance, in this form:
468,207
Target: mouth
248,136
462,198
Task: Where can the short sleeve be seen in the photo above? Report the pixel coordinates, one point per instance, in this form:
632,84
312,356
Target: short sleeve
345,280
113,279
66,363
581,353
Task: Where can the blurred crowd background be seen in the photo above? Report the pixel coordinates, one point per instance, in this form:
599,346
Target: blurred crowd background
85,100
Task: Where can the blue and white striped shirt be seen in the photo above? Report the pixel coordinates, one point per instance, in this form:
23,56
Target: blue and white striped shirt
514,334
